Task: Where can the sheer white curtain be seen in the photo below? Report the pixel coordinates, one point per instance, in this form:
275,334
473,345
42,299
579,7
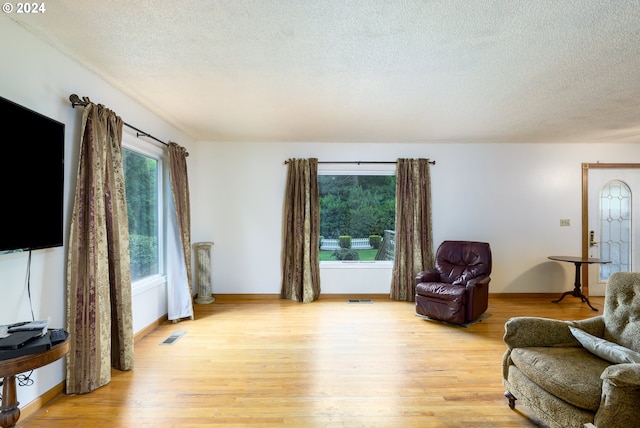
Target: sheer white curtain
179,297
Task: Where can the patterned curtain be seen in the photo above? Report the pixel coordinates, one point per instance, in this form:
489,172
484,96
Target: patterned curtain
180,293
413,247
99,315
301,232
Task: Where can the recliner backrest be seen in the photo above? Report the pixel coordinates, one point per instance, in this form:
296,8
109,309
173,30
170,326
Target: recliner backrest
622,310
460,261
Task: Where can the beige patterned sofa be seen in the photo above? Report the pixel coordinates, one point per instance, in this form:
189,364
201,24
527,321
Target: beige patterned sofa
571,373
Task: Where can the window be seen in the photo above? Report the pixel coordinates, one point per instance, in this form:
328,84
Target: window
143,184
357,215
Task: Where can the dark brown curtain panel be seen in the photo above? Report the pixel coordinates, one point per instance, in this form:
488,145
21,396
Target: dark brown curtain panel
180,290
413,245
301,232
99,315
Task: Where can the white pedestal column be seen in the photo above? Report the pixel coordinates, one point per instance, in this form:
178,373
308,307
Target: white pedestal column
203,272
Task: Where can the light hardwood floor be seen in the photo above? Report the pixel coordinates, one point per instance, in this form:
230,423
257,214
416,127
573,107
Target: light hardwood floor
275,363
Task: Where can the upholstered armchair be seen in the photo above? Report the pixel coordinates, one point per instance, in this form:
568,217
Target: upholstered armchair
456,290
572,373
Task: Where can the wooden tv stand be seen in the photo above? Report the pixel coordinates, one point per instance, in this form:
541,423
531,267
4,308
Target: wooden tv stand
11,367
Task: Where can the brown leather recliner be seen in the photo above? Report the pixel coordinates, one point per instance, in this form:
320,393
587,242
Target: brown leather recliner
456,290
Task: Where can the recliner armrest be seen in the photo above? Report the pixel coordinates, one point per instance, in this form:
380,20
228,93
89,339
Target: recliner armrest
481,280
430,275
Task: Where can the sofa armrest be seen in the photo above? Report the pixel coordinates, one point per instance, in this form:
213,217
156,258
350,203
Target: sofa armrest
620,396
430,275
593,325
522,332
623,375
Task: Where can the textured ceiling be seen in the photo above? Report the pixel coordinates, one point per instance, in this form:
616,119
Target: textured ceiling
365,70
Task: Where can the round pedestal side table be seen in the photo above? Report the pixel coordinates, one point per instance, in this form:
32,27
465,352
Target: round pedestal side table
11,367
203,272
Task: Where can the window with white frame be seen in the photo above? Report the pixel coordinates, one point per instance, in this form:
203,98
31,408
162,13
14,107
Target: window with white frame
143,183
357,215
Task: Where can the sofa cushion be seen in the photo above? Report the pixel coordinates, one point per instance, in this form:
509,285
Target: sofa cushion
571,374
604,349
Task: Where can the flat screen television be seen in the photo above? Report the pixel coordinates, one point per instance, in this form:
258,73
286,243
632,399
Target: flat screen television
31,179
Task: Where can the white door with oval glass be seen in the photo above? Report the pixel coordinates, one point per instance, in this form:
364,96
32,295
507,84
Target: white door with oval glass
613,209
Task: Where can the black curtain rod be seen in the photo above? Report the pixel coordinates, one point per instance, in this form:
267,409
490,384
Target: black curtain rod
76,101
362,162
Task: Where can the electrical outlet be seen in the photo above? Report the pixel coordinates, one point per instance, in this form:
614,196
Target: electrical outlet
565,222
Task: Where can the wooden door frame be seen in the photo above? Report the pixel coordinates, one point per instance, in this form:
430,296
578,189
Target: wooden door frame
585,211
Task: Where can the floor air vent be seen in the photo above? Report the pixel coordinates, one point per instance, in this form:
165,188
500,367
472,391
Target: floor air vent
173,338
359,301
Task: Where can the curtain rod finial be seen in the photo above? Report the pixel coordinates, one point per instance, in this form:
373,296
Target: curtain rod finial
76,101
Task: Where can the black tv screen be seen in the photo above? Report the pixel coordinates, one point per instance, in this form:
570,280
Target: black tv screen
31,179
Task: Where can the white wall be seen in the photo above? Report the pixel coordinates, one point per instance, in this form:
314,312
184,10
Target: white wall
510,195
41,78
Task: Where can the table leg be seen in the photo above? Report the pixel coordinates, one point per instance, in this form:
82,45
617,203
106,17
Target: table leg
576,292
9,411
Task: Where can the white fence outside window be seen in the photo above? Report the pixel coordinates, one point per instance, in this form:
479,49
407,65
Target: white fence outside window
356,244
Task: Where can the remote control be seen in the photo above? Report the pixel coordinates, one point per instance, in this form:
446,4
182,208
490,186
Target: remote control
57,335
